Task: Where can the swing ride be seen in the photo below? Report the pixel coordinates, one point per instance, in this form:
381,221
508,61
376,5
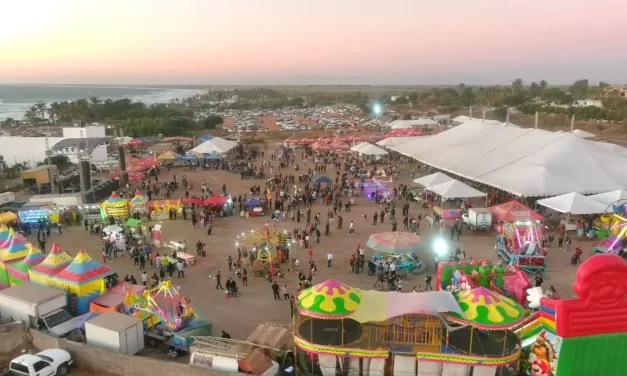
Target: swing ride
167,315
266,246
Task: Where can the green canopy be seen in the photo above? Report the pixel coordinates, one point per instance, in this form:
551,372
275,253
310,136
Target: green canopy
132,222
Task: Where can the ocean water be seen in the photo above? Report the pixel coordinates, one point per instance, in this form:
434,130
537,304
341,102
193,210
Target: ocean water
16,99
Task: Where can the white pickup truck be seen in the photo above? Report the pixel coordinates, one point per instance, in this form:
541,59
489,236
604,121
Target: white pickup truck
51,362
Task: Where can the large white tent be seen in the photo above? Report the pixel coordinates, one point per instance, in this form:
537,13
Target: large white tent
573,203
412,123
366,148
618,197
215,145
433,179
526,162
394,141
455,189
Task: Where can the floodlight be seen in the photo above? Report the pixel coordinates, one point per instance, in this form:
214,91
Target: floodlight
440,247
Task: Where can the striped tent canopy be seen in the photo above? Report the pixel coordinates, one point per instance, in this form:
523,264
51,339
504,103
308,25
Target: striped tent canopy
84,269
56,261
17,249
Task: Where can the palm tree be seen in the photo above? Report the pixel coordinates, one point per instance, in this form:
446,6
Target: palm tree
461,87
543,86
95,101
41,108
9,122
517,86
32,115
54,111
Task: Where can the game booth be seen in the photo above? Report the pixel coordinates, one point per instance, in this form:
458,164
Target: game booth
33,214
168,317
220,206
114,206
45,272
520,232
137,206
339,329
162,209
83,279
583,335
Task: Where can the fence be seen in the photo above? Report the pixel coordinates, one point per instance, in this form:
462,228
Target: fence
119,364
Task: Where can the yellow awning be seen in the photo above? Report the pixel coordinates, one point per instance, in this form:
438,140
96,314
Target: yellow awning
7,217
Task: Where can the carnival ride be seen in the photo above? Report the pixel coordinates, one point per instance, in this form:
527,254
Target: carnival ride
396,248
506,280
168,316
360,331
520,233
613,232
268,246
593,323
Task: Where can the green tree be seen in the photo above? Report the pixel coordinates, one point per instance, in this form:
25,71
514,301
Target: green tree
32,115
9,122
41,109
518,86
402,100
579,89
212,121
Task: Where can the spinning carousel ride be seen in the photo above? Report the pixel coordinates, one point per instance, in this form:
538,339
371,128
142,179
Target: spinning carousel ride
267,247
162,305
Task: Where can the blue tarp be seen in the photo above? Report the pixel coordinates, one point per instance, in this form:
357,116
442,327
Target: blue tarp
251,203
213,156
324,179
205,137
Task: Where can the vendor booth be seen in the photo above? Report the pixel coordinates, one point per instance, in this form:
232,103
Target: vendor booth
222,206
137,206
520,233
164,209
34,214
115,207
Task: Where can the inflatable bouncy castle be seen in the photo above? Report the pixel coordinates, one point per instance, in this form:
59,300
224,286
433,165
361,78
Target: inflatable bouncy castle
582,335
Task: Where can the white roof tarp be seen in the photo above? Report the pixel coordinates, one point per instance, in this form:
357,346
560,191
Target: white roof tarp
368,149
618,197
433,179
527,162
393,141
583,134
412,123
455,189
573,203
216,144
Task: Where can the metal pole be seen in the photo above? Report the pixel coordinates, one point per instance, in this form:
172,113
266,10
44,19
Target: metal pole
535,124
49,162
81,176
572,123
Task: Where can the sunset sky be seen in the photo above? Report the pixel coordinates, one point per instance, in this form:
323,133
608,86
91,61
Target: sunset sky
302,41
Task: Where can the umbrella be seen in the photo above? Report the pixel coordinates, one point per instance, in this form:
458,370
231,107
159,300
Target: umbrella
132,222
253,202
394,242
134,142
112,229
324,179
216,200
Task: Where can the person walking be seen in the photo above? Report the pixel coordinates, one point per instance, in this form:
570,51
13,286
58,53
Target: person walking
275,290
286,294
144,278
179,268
244,277
329,259
351,230
142,262
218,281
229,261
428,279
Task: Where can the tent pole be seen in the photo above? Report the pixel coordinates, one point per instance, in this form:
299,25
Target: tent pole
472,334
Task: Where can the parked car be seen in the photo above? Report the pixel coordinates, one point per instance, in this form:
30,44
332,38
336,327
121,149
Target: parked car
51,362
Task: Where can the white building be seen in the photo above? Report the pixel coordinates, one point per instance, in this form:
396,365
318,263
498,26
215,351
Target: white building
32,150
588,103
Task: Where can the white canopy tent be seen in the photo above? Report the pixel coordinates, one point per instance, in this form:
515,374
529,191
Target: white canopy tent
366,148
412,123
455,189
215,145
433,179
583,134
573,203
527,162
618,197
393,141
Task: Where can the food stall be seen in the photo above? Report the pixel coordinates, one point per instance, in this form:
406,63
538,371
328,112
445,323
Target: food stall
115,206
137,205
161,209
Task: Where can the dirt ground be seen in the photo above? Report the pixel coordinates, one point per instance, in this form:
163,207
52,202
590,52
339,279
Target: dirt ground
240,316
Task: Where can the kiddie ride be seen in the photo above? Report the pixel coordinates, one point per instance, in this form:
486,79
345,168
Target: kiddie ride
169,318
529,257
507,280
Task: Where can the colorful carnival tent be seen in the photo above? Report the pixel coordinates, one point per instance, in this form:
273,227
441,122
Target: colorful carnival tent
115,206
486,309
18,270
138,203
7,217
168,156
44,273
335,300
6,236
84,277
514,211
17,249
